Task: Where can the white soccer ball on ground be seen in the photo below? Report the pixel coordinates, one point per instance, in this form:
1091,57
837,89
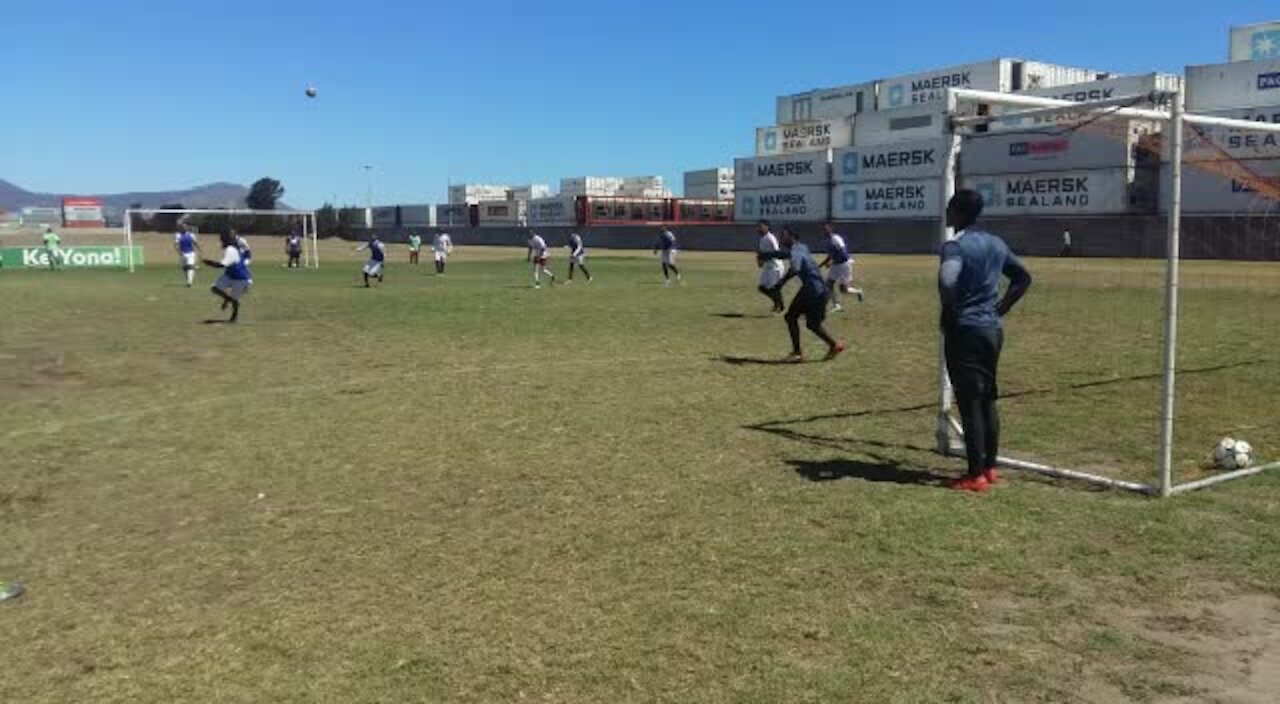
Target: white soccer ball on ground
1232,454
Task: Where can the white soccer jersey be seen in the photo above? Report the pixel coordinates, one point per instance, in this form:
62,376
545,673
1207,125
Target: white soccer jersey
768,245
442,244
539,246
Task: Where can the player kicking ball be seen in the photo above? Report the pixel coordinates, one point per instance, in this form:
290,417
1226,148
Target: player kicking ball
840,271
442,247
185,244
539,253
667,245
236,278
810,301
577,256
377,256
772,270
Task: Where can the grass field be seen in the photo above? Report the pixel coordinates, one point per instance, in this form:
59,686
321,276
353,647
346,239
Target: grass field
461,489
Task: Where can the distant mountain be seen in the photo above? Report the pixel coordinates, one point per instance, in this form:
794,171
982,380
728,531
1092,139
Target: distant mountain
213,195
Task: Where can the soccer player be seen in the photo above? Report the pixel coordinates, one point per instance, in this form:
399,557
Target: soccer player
667,244
810,301
538,254
969,288
771,269
52,247
293,248
377,253
236,278
243,245
185,244
442,247
840,273
1066,244
415,245
577,256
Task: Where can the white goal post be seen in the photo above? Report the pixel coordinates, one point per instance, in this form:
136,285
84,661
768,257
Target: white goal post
310,237
1173,119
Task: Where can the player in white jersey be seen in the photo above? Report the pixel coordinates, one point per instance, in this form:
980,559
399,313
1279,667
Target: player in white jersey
185,244
236,277
840,273
442,247
538,254
771,269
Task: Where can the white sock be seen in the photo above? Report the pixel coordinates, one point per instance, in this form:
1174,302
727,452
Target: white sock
191,276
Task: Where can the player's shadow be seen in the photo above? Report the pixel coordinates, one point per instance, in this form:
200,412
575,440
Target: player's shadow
739,316
756,361
879,471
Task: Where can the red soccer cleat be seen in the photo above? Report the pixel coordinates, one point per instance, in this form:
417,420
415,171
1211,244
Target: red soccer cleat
991,476
976,484
835,351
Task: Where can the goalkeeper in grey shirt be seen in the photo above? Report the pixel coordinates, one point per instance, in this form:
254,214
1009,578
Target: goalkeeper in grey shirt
969,287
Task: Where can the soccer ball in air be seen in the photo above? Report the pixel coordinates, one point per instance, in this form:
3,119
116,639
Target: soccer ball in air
311,91
1232,454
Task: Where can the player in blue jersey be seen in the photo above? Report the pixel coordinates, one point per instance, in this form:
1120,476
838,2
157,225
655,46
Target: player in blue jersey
972,333
840,273
667,245
810,301
236,278
577,256
377,256
293,248
185,244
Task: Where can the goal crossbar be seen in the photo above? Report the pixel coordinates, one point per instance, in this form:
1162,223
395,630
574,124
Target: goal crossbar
310,233
1174,119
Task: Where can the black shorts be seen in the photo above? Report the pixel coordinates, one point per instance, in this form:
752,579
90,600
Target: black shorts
813,308
973,360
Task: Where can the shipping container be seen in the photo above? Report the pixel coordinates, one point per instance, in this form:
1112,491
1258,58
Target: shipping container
1104,89
384,216
471,193
1255,41
889,162
1030,152
590,186
716,176
1246,84
794,204
1251,188
450,215
931,86
807,169
558,210
626,211
526,193
1037,75
416,216
827,103
704,211
800,137
710,191
1212,143
1098,192
887,200
921,122
501,213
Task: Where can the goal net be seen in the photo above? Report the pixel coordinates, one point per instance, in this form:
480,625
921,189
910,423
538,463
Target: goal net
1152,330
264,227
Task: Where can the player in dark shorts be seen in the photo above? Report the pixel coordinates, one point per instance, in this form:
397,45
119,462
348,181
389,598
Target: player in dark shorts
810,301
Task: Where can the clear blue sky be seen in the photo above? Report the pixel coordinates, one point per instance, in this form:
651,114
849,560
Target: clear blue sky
144,94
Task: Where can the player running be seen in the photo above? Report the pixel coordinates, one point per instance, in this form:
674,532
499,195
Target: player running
242,244
840,273
667,244
442,247
52,247
810,301
293,249
185,244
577,256
377,254
538,254
771,270
415,245
236,278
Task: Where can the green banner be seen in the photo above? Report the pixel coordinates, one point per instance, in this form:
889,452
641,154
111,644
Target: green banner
79,257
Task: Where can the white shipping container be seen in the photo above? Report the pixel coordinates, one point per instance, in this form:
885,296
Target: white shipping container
931,86
1024,152
590,186
703,177
384,216
1214,190
889,162
82,213
536,190
1255,41
643,182
416,216
1058,193
1212,143
505,212
471,193
808,169
827,103
1117,86
453,215
560,210
799,137
887,200
921,122
1036,75
795,204
709,191
1246,84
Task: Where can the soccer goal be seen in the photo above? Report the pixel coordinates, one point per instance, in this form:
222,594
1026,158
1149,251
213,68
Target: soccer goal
1153,328
246,222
